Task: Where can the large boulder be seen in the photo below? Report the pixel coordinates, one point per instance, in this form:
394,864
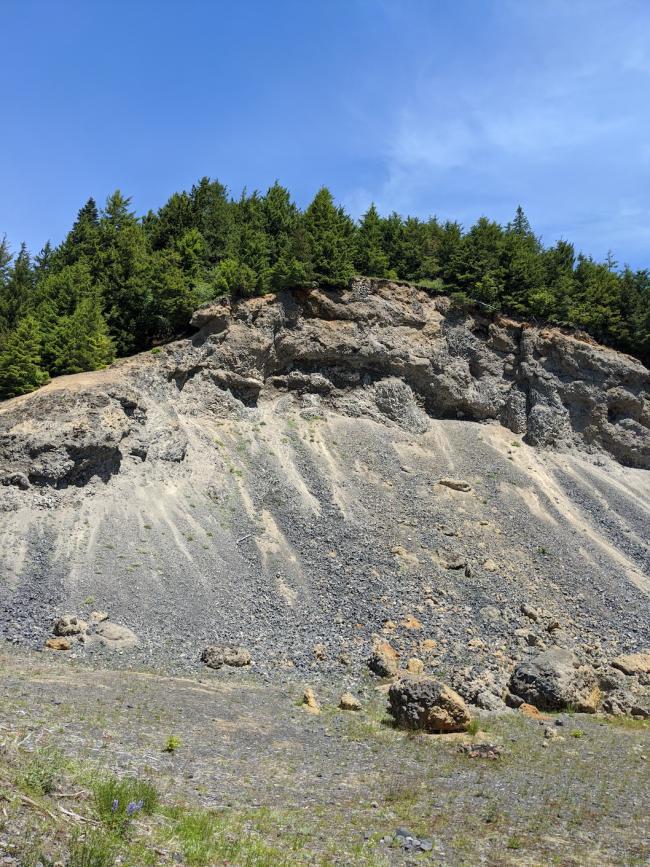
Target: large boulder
427,704
555,680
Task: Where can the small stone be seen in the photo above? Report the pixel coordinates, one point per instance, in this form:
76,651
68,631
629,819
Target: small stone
309,702
57,644
529,611
320,651
98,616
415,665
456,485
383,660
349,702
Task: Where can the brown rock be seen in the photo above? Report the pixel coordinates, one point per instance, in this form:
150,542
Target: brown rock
427,704
349,702
216,655
309,702
456,485
57,644
555,680
98,616
415,665
383,660
69,625
531,711
320,651
633,663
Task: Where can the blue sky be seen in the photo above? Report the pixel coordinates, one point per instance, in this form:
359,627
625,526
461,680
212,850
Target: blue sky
425,106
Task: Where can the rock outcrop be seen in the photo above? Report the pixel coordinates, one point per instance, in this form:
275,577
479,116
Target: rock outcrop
377,349
427,704
557,680
312,470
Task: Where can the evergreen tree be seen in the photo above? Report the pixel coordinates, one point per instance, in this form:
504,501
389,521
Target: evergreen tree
254,248
43,261
232,277
330,232
176,290
369,256
122,275
20,360
476,267
213,214
82,242
17,290
81,340
522,264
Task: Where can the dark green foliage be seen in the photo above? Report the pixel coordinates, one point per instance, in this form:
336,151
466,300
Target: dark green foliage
369,255
117,284
330,240
20,359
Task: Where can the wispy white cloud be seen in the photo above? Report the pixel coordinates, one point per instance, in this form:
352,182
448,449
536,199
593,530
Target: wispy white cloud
564,131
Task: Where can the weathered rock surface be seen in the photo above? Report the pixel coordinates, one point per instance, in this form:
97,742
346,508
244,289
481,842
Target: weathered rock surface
217,655
274,480
69,625
403,355
349,702
633,663
555,680
384,660
427,704
114,636
58,644
310,702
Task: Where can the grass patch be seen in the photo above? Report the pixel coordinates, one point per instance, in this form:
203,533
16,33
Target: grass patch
118,801
172,744
40,772
207,838
96,849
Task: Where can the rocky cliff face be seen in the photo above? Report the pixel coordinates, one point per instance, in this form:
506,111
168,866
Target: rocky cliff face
378,350
274,479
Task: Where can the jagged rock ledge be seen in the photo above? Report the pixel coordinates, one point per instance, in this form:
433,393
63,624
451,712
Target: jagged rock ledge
376,349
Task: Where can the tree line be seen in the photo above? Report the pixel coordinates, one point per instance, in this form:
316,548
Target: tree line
119,284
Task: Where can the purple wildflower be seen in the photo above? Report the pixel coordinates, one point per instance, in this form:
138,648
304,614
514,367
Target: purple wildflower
133,807
115,806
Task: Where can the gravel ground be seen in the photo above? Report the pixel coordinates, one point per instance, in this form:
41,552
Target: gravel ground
338,785
283,530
